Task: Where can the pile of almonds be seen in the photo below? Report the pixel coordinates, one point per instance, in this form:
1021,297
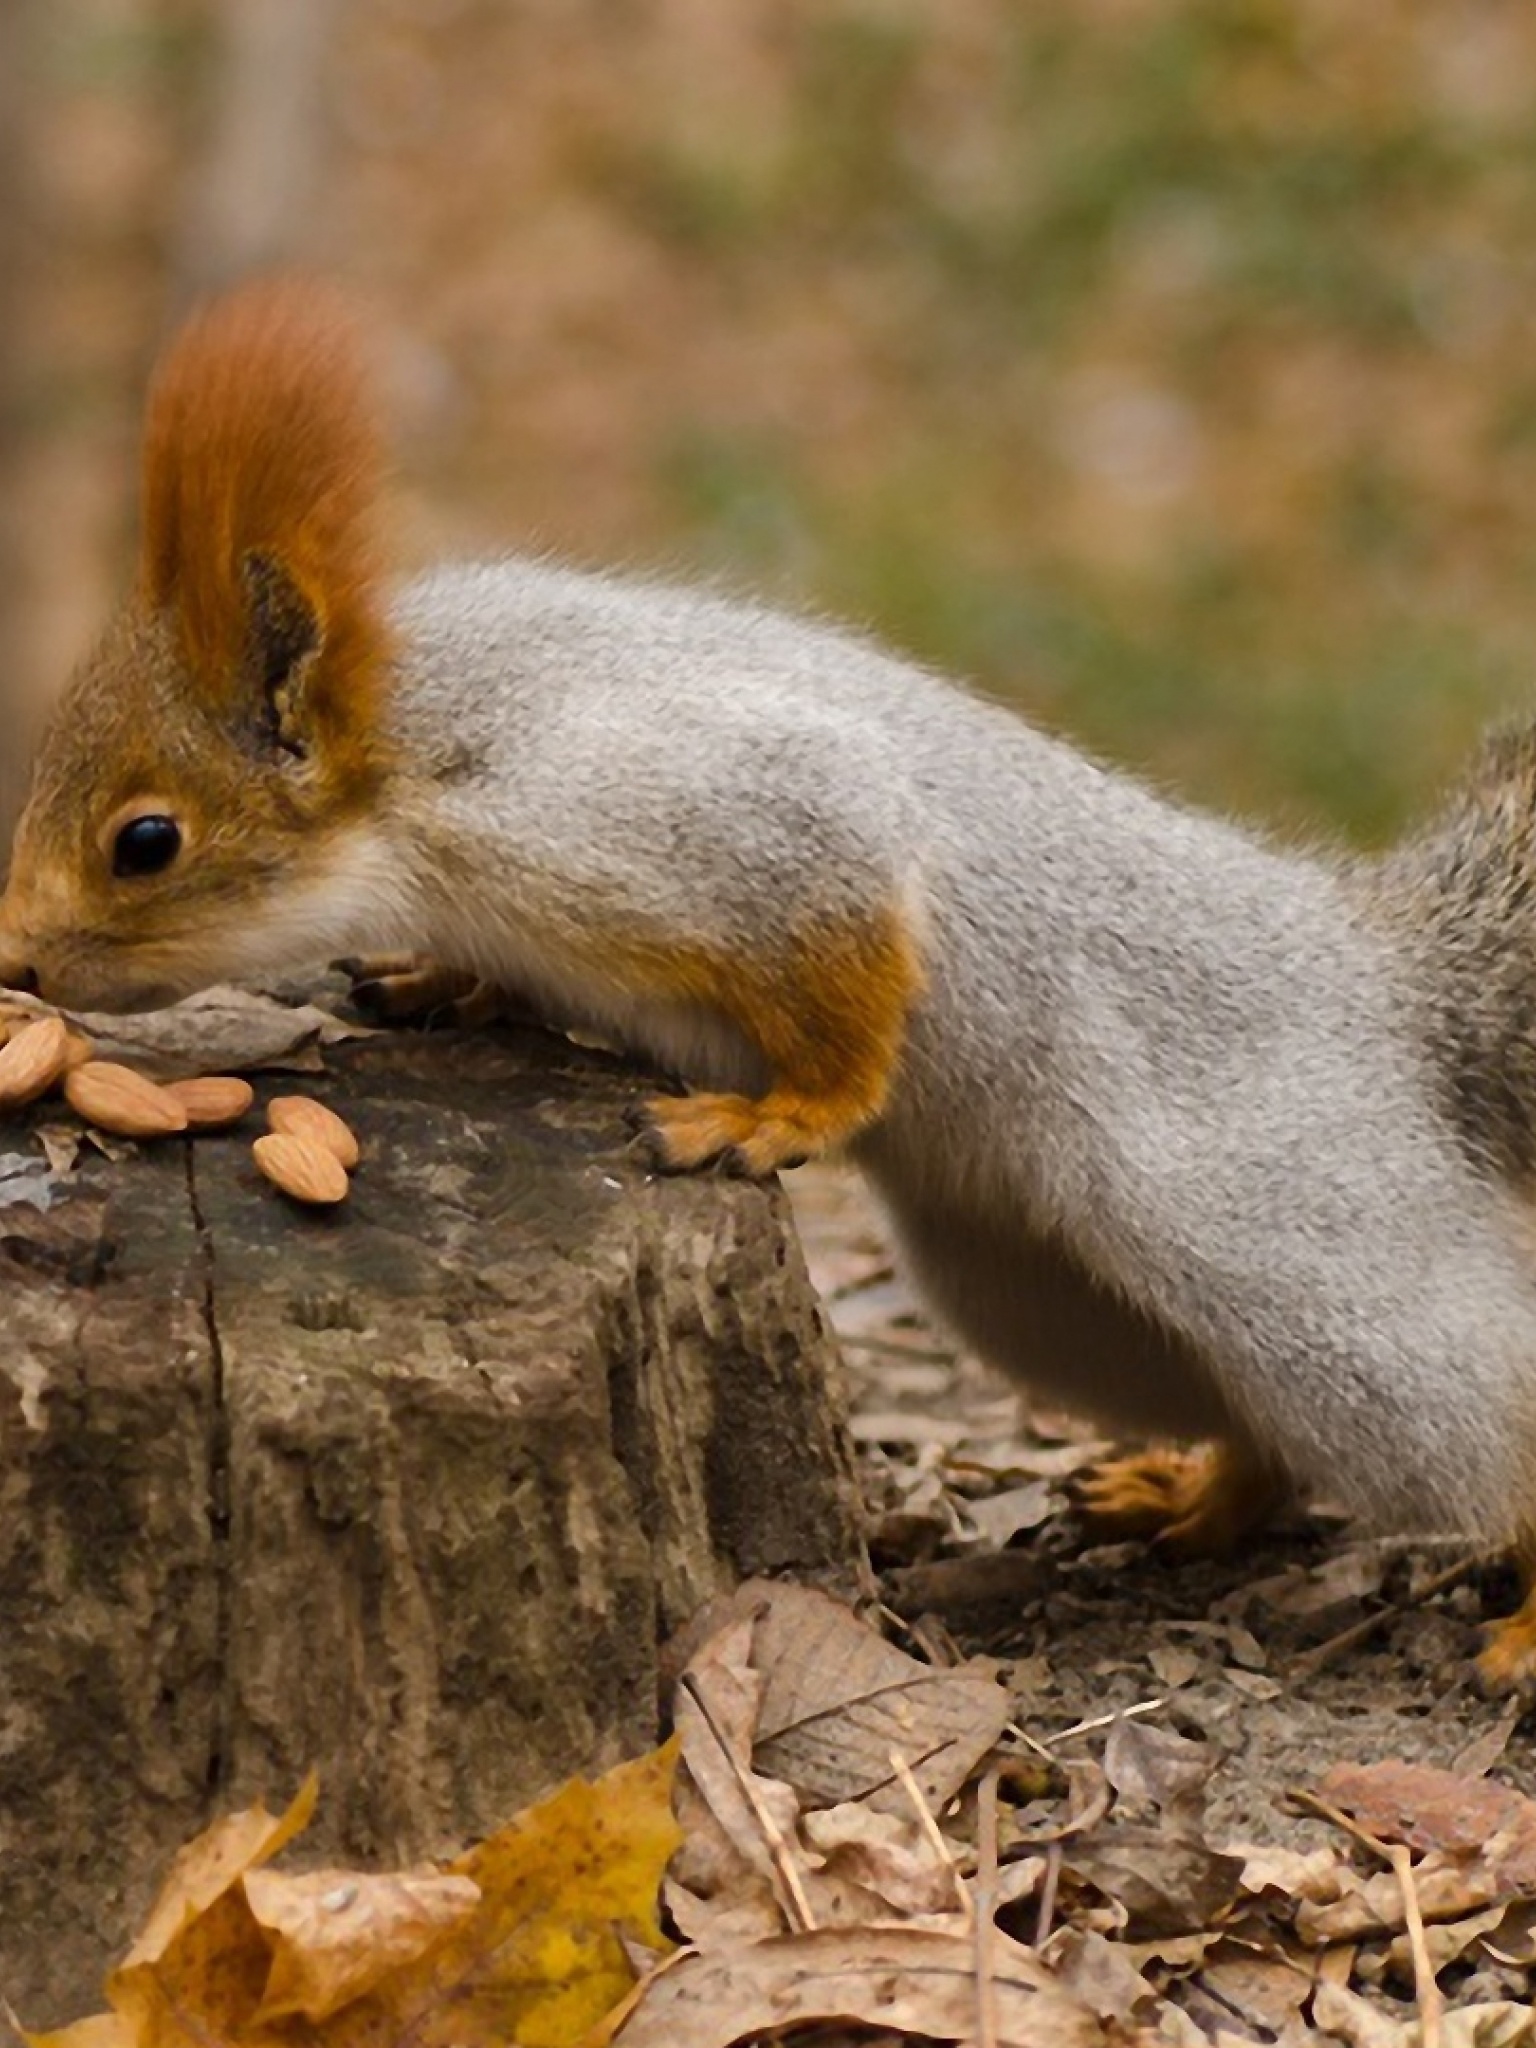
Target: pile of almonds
309,1151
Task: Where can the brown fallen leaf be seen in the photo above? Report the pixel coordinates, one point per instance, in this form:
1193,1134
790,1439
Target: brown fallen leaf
1368,1906
1156,1768
1444,1943
1164,1885
1315,1874
725,1882
838,1699
1434,1809
912,1981
1266,1990
897,1868
218,1031
1343,2014
1103,1974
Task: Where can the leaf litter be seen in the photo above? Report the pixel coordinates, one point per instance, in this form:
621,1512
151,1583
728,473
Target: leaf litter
844,1844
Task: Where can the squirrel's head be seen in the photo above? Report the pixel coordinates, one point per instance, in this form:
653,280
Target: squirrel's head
202,800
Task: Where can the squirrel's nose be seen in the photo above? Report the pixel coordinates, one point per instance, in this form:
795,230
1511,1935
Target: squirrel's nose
16,970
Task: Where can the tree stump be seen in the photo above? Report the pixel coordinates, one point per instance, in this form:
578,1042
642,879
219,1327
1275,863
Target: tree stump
408,1492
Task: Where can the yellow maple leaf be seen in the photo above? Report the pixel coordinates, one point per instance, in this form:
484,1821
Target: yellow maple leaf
189,1976
542,1959
336,1934
527,1939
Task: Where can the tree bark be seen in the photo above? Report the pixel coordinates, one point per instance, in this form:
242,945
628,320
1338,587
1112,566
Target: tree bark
409,1492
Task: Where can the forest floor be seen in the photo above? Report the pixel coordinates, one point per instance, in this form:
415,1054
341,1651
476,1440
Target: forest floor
1308,1648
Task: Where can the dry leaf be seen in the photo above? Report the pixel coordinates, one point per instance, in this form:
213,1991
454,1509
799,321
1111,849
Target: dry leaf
1315,1874
335,1933
61,1147
1156,1768
218,1031
905,1980
1341,2012
838,1699
724,1884
531,1937
1501,2024
998,1517
1164,1885
894,1863
1268,1991
198,1970
1103,1974
1434,1809
1369,1906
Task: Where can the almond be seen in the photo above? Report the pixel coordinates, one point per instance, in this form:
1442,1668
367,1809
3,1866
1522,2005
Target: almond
115,1098
32,1061
300,1116
80,1050
212,1100
301,1168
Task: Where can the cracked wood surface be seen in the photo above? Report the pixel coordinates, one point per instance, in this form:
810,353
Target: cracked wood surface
409,1492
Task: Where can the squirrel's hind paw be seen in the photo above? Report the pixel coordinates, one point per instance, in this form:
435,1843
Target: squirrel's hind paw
1508,1660
1190,1503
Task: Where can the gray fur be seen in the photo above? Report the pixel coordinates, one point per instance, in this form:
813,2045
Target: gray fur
1175,1135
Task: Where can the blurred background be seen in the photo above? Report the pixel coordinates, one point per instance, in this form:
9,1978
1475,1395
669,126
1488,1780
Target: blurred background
1166,366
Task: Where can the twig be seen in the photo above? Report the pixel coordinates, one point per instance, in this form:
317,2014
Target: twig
1309,1802
778,1848
1312,1661
890,1347
1426,1989
1048,1886
1399,1858
1105,1720
932,1830
1029,1741
986,1892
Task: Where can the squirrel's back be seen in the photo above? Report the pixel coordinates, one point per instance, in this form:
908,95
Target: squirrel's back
1182,1059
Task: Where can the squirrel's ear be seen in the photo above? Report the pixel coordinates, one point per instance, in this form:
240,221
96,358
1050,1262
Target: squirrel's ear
285,632
261,487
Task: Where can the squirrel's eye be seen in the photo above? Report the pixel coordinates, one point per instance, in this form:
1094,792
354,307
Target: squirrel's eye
146,846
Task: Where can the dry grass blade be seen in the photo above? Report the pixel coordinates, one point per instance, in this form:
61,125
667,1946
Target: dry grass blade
1426,1990
986,1893
1104,1721
932,1830
1399,1858
797,1906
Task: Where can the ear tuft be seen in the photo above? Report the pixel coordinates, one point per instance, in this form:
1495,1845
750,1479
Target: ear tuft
262,472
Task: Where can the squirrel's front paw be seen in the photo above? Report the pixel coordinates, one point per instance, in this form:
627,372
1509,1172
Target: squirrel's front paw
731,1133
409,988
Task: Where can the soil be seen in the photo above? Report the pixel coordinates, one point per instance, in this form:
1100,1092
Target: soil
1090,1631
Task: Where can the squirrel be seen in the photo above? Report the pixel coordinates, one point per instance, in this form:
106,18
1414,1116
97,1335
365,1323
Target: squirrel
1209,1138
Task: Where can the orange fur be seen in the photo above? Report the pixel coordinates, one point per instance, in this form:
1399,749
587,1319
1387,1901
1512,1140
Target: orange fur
1508,1659
829,1018
259,440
